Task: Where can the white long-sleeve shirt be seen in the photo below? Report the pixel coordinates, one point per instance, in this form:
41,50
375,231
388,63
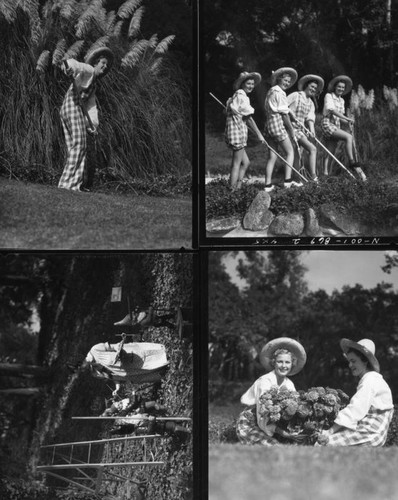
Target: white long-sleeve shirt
372,391
239,104
252,396
278,101
83,75
146,356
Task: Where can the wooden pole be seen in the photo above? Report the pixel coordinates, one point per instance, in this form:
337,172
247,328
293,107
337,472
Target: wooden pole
22,391
19,370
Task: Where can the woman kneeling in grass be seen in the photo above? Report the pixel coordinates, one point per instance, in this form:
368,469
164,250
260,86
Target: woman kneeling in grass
333,113
366,419
280,357
239,118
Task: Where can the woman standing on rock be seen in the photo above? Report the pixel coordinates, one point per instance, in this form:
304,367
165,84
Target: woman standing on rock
278,125
303,106
239,118
333,113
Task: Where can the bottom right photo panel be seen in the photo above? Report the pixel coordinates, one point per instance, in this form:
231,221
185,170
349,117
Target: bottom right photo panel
303,374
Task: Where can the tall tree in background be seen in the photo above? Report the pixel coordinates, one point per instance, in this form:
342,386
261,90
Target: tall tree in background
327,37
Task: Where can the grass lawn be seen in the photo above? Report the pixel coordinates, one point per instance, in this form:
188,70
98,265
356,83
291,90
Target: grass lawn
34,216
292,472
237,472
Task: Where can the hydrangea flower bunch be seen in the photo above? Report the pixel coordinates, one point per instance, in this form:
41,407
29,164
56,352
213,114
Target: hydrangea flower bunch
302,415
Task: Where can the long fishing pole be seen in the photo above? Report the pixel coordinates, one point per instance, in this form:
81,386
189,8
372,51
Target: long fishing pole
266,143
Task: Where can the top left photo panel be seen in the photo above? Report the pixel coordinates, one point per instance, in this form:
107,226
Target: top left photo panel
96,124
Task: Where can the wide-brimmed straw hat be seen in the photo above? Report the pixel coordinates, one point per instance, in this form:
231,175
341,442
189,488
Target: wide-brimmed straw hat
291,345
364,346
246,76
341,78
311,78
91,57
281,71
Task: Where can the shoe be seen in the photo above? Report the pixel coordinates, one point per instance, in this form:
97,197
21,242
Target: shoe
315,179
84,189
269,187
181,433
125,321
356,167
289,184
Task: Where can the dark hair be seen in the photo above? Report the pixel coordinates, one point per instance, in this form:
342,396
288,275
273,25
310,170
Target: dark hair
310,81
314,99
360,356
245,80
339,81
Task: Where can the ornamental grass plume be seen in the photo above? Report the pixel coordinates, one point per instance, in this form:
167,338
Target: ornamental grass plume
390,95
360,100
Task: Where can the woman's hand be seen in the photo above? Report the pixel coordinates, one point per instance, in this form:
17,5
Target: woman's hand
92,131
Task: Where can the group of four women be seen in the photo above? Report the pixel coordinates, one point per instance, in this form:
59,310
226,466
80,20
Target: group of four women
289,121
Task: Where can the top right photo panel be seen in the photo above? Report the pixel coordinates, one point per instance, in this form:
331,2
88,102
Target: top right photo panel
299,130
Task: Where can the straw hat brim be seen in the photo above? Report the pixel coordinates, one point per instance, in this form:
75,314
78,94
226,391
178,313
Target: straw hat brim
100,52
347,344
311,78
342,78
247,76
281,71
291,345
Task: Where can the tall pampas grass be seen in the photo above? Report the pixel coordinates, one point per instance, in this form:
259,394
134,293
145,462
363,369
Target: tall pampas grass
144,101
135,23
375,123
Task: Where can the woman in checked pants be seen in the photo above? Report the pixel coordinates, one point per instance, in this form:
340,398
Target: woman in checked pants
79,112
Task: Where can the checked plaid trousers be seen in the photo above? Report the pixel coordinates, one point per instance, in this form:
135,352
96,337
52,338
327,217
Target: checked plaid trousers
371,431
249,432
74,126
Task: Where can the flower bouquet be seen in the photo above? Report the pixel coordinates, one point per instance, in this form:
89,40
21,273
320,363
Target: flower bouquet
301,416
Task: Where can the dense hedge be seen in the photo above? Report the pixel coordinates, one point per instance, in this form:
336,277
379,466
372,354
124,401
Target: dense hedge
366,201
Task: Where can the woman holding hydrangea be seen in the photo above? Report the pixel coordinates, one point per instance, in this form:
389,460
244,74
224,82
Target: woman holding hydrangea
366,419
280,357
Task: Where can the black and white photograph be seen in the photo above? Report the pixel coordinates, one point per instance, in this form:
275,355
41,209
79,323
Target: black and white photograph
303,365
300,119
96,376
95,124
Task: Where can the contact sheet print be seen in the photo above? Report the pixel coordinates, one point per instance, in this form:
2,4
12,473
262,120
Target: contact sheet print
302,361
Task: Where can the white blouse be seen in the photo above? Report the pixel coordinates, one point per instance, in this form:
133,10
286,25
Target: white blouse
277,100
83,74
239,104
372,391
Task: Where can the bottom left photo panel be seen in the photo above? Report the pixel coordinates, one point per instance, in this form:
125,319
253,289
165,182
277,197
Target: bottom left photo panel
96,375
